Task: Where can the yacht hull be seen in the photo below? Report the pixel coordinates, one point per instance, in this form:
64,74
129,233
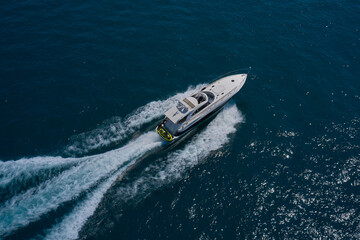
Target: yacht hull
194,110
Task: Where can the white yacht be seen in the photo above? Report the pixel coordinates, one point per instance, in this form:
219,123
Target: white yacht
194,109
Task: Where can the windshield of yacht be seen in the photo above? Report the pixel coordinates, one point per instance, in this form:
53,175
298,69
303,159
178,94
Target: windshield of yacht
182,108
200,97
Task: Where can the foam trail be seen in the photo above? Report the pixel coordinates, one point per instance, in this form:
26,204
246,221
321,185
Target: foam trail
116,129
69,228
176,163
16,175
212,138
29,206
25,168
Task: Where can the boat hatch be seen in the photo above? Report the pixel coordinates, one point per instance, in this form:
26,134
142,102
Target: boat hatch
218,89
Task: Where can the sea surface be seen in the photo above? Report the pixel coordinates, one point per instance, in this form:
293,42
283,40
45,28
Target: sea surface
84,83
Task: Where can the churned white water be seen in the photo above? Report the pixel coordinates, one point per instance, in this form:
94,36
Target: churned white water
210,139
40,185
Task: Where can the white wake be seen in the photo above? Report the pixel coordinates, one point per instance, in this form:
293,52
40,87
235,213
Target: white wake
32,204
15,174
211,139
36,186
65,179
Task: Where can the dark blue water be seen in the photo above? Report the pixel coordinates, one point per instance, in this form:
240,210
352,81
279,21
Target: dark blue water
83,84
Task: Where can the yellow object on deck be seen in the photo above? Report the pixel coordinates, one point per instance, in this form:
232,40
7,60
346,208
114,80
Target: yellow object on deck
164,134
